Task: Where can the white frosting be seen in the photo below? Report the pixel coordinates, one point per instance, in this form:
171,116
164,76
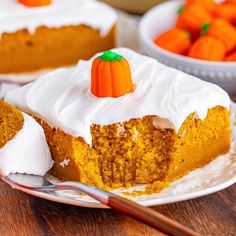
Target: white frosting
15,16
63,98
27,152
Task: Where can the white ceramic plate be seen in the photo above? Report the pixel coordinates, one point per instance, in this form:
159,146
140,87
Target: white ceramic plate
217,175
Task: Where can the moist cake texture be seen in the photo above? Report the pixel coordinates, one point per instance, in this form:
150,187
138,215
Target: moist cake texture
136,152
46,47
172,123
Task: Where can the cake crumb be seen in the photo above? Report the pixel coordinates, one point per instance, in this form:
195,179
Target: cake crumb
154,187
65,163
121,129
135,135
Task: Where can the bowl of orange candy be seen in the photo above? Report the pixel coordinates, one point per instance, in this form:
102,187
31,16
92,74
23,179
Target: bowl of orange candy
195,36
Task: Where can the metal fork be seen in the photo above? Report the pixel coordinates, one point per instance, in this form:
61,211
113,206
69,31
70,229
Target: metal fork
135,210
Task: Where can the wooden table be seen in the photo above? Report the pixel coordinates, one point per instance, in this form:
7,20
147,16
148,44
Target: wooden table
22,214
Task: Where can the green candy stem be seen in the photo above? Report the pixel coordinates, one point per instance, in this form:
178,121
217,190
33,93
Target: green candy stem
188,35
110,56
205,28
180,10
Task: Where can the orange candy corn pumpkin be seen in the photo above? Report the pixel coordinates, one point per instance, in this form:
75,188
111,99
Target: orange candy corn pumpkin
111,76
226,11
208,5
175,40
207,48
231,56
191,19
230,1
35,3
224,31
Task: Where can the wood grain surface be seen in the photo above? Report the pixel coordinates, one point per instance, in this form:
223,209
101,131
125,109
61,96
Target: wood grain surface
22,214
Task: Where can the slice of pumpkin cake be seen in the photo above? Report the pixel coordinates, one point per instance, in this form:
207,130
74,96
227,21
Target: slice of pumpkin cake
122,119
23,147
37,35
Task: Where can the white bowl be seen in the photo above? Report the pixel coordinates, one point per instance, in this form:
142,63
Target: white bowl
161,18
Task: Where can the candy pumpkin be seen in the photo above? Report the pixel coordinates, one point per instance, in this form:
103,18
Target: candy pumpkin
207,48
224,31
175,40
35,3
111,76
191,18
208,5
226,11
230,1
231,56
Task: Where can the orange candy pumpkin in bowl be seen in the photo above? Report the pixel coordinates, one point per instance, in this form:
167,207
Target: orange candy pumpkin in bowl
226,11
208,48
230,1
208,5
179,45
191,18
224,31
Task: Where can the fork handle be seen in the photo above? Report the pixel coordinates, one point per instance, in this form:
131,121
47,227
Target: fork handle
131,208
146,215
149,216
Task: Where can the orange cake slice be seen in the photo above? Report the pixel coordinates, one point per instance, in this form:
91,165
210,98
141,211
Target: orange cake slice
122,119
23,147
11,121
59,34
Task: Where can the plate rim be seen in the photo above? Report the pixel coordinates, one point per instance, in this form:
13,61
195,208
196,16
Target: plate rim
148,203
